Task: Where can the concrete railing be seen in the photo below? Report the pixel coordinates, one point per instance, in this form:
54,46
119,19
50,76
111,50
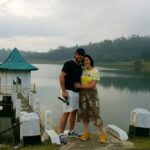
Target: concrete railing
7,89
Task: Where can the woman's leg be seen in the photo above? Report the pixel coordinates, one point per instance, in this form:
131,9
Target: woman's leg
102,137
86,134
86,127
101,130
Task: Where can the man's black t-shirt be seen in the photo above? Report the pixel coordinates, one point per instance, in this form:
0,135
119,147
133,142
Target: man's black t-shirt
73,71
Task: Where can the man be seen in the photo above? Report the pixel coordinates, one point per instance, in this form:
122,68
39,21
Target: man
70,74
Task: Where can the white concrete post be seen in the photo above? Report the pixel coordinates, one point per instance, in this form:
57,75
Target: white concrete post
37,105
33,98
1,107
117,132
47,116
1,98
14,98
18,108
30,97
140,118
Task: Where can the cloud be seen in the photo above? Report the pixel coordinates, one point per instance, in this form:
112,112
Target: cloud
29,8
41,25
24,26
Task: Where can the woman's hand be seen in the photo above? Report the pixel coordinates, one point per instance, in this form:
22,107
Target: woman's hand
91,85
78,85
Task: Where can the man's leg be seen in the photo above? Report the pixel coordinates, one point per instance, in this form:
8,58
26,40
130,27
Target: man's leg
72,119
63,121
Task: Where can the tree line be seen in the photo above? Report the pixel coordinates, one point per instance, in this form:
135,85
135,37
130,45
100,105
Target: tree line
134,47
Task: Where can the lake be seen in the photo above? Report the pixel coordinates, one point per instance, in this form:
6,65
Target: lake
120,92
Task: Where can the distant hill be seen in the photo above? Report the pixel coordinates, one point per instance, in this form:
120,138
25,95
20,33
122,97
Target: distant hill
121,49
3,54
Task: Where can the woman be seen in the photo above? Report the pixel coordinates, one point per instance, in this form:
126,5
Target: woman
89,101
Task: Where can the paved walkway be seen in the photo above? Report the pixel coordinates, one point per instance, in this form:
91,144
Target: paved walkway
93,144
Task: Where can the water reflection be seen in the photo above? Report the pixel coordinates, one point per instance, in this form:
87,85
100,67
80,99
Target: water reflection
123,79
135,84
120,92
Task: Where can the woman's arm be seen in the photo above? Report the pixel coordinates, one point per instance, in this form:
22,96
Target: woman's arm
91,85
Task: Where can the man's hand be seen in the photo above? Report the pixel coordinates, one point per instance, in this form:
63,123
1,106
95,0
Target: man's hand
65,94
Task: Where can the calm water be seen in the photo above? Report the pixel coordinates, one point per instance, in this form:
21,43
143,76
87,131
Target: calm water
120,92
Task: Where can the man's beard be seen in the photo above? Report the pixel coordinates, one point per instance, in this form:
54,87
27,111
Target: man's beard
78,61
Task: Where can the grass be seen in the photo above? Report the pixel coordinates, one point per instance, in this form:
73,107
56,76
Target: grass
43,146
141,143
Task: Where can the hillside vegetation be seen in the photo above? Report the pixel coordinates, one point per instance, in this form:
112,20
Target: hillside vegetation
134,48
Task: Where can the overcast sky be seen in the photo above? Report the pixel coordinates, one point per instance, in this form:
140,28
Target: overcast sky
41,25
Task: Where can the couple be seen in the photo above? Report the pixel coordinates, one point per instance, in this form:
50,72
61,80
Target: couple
78,85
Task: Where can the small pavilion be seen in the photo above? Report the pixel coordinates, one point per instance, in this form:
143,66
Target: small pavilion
15,74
